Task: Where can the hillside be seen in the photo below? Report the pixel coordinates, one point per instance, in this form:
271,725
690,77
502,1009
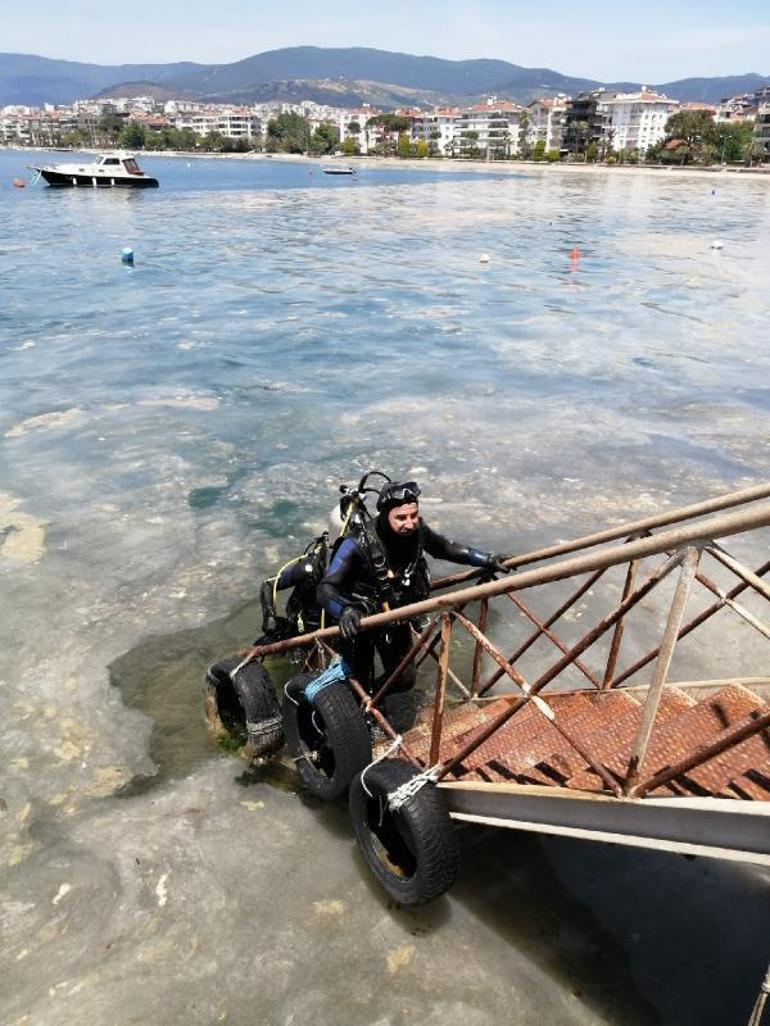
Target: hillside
342,76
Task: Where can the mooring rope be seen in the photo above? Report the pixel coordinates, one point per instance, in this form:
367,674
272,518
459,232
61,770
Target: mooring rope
396,744
759,1005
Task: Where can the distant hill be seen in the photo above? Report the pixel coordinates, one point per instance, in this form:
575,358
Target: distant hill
338,76
712,90
26,79
133,89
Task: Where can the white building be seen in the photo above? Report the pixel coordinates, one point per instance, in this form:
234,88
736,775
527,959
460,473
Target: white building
547,120
638,120
232,123
491,127
355,116
437,128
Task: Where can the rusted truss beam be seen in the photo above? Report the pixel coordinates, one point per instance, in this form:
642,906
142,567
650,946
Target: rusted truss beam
579,664
746,575
584,587
540,705
617,634
688,628
548,676
670,634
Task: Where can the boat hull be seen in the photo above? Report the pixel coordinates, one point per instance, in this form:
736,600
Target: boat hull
100,181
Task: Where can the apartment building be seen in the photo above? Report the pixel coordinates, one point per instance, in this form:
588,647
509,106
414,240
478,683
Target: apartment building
586,121
547,118
232,124
357,117
491,128
762,128
437,128
637,121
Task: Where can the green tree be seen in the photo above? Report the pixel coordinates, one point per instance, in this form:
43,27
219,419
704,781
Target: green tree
154,141
538,150
132,137
214,142
469,144
110,126
577,138
325,139
695,129
552,156
421,148
354,128
404,146
592,152
288,133
525,140
350,147
732,141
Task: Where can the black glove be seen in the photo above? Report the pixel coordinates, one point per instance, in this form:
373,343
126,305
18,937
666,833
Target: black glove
495,563
350,618
277,627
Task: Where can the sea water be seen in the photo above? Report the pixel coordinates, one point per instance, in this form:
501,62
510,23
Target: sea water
171,432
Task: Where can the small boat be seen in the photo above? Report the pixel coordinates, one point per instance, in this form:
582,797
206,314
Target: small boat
339,170
108,171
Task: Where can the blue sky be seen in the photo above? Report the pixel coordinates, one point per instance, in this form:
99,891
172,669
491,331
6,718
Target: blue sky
653,41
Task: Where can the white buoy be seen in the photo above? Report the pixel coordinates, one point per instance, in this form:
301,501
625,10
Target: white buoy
717,244
484,258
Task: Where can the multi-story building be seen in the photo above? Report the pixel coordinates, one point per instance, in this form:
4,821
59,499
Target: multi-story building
357,117
637,121
437,128
762,128
547,117
232,123
586,121
491,129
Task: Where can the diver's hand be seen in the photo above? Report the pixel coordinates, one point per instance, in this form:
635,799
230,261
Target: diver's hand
495,563
349,622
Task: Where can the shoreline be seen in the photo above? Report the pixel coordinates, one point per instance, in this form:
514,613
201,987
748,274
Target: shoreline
447,164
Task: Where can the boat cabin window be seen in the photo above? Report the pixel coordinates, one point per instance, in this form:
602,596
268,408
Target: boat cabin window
111,160
131,166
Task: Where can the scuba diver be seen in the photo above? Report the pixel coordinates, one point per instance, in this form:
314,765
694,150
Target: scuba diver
379,564
303,613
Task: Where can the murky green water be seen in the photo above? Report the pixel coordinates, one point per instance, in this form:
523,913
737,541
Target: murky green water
168,435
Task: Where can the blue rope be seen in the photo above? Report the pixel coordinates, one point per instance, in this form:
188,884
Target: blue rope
337,671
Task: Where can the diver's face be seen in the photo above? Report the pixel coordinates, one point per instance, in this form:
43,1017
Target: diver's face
404,519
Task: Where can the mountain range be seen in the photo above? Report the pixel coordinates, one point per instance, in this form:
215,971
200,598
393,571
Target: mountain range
339,77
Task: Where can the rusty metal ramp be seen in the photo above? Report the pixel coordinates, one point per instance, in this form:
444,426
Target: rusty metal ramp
545,769
641,761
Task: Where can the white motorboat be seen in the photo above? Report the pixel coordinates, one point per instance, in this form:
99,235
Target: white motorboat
109,171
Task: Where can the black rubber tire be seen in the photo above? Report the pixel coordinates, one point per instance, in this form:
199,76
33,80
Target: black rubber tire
245,710
329,739
413,852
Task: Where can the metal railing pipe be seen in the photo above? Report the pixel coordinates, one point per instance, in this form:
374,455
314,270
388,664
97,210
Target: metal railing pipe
717,527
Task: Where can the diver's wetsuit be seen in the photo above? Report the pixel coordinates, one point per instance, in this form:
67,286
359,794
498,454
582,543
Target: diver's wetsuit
352,580
303,614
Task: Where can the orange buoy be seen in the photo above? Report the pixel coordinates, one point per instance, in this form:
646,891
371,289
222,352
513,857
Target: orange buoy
19,183
575,254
